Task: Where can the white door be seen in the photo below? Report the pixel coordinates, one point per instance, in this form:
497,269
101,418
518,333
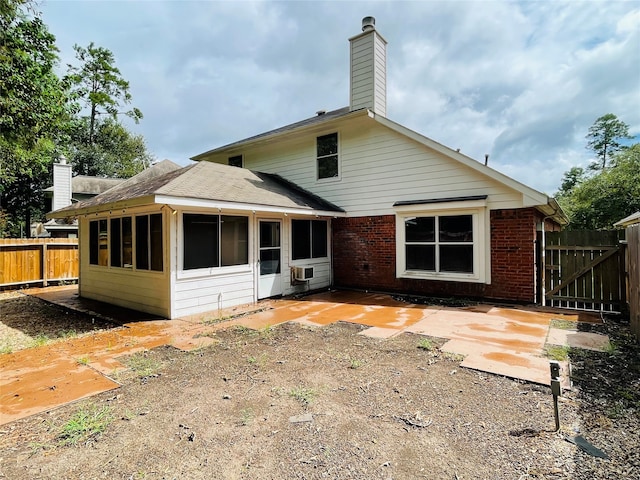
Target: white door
269,259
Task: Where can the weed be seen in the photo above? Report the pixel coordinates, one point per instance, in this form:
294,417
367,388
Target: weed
267,331
241,329
355,363
303,394
556,352
611,348
6,349
616,410
83,360
39,340
142,364
455,357
425,344
563,324
86,423
246,415
67,333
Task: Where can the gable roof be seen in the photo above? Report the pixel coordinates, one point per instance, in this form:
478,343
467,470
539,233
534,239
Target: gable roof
205,184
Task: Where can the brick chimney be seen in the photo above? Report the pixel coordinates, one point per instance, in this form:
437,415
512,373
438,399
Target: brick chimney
61,184
368,69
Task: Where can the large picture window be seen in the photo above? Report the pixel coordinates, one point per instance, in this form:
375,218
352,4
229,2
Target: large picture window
116,246
214,241
308,239
327,156
439,243
443,240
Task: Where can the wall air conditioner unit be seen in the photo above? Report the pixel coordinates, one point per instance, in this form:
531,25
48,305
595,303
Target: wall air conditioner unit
303,273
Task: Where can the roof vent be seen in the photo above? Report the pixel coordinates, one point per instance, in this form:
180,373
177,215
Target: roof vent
321,112
368,23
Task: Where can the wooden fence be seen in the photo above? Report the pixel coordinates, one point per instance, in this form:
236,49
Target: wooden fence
582,270
632,276
37,261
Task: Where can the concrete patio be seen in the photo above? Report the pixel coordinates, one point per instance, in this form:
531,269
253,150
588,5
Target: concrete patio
506,341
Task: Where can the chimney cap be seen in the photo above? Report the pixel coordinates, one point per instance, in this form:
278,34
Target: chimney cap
368,23
321,112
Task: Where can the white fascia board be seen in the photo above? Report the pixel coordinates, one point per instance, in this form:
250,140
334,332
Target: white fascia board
174,202
252,142
530,197
119,205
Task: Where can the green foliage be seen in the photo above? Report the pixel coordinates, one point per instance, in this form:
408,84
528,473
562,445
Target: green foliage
143,365
84,424
557,352
303,394
596,202
99,83
114,151
34,110
603,138
425,344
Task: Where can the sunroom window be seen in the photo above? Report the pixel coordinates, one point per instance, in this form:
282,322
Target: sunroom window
214,241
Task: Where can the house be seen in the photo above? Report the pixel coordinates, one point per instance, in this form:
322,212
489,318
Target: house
346,198
67,189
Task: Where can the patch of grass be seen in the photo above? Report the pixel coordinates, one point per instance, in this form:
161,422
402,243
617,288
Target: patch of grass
455,357
6,349
83,360
611,348
425,344
563,324
246,416
39,340
242,330
257,361
86,423
267,331
143,365
303,394
67,333
556,352
355,363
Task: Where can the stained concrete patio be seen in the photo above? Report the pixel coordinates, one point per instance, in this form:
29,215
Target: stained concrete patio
501,340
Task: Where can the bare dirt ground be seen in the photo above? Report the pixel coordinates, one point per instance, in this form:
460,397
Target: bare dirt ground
302,403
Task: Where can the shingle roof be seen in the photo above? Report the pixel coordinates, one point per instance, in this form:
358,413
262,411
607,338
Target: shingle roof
319,118
209,181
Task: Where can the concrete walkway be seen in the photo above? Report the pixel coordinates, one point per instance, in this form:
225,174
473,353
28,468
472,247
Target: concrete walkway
504,341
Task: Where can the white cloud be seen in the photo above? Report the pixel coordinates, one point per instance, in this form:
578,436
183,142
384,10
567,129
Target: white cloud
522,81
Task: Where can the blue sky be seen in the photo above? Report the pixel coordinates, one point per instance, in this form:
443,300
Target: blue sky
522,81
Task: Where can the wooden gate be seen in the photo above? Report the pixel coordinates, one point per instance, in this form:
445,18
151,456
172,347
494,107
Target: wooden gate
582,270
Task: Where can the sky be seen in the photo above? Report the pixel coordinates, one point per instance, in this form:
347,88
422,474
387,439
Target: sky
521,81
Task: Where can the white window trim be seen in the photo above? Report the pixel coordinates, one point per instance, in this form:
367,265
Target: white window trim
315,158
481,244
208,271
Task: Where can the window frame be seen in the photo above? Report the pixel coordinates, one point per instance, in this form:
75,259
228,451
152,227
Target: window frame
338,155
108,237
235,157
481,239
311,258
213,270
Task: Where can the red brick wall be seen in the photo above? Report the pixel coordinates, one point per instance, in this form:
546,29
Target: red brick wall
364,257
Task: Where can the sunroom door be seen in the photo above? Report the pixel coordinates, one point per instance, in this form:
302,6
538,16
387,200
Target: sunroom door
269,258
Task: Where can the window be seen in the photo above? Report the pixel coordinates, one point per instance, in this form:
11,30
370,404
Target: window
443,240
98,246
214,241
149,242
118,245
327,156
439,243
308,239
236,161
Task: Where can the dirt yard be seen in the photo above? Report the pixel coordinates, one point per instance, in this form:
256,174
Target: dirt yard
292,402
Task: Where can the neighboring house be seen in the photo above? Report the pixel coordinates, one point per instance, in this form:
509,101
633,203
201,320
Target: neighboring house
346,198
67,189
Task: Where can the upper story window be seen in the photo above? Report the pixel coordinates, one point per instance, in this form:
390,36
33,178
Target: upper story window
308,239
236,161
214,241
327,156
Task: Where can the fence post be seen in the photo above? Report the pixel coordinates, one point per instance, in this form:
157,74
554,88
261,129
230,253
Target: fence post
44,264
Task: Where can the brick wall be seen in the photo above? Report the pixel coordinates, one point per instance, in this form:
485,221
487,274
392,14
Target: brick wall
364,257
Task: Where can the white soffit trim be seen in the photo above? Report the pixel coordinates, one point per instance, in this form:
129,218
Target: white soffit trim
213,204
454,205
530,197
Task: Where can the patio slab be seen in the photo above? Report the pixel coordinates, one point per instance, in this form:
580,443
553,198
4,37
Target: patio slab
503,341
